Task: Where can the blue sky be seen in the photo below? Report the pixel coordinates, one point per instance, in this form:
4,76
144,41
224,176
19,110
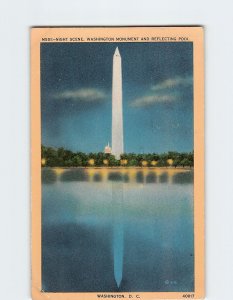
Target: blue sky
76,83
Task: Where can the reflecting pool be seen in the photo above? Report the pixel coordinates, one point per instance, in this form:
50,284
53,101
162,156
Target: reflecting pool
111,230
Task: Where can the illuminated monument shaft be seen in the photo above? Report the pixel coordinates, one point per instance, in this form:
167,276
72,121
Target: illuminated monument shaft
117,116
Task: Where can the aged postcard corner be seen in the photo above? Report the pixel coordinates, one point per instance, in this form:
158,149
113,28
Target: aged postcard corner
117,143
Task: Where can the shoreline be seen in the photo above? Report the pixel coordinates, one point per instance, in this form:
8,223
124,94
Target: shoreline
119,167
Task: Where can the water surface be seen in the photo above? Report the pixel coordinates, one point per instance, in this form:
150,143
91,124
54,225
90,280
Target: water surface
106,230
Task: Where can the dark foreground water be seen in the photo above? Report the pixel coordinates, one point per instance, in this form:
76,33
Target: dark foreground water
107,230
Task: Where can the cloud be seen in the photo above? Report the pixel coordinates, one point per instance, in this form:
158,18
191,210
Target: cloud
166,91
152,99
82,95
173,83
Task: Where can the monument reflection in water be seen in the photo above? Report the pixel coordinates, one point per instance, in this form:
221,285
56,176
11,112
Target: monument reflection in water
106,230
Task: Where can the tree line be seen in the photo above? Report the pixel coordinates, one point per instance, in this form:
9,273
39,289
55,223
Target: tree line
52,157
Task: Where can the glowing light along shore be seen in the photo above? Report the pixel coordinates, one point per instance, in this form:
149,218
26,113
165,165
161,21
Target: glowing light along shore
117,113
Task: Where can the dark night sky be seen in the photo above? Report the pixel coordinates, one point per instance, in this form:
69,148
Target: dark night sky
76,81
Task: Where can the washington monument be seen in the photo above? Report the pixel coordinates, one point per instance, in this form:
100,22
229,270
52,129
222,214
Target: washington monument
117,116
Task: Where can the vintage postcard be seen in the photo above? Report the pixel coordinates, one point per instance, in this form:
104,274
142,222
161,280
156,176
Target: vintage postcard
117,148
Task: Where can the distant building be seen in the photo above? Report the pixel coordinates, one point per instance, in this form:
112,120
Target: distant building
108,149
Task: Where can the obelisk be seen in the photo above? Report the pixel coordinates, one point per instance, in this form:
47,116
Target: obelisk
117,115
